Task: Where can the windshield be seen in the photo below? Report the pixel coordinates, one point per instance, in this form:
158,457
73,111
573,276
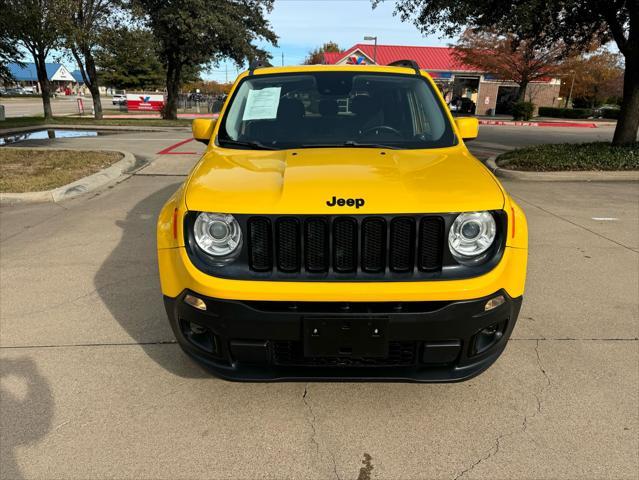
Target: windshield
337,109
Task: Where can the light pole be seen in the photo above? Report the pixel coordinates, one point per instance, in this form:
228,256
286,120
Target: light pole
369,38
572,84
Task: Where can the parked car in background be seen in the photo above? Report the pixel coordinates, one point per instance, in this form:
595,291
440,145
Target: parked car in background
462,105
196,97
605,110
15,91
29,90
119,97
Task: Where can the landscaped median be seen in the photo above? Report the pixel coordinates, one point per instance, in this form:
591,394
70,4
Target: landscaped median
597,161
29,175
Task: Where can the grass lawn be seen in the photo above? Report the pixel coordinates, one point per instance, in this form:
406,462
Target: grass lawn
17,122
572,157
31,170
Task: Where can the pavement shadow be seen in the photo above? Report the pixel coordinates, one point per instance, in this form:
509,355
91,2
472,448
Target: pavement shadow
129,286
26,410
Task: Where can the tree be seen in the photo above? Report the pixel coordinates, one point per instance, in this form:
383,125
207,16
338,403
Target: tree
191,33
576,23
8,52
82,22
317,56
128,59
209,87
508,57
595,77
33,25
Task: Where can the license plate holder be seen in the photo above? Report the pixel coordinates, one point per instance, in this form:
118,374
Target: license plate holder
345,337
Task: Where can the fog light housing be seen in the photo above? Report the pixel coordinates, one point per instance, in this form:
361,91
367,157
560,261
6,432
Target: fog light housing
488,337
494,302
195,302
199,336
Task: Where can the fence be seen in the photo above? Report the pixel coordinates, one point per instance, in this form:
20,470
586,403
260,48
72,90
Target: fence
200,103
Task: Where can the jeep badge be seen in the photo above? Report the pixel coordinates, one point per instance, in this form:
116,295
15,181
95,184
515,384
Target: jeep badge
349,202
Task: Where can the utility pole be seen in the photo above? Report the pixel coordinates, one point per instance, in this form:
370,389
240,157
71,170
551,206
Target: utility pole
282,58
572,84
368,38
226,71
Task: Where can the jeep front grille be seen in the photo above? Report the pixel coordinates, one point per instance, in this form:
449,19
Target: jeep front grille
345,245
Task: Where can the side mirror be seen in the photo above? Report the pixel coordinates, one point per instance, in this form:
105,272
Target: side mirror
203,129
468,127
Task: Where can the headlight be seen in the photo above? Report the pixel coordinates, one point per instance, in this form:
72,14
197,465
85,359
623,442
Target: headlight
471,235
219,235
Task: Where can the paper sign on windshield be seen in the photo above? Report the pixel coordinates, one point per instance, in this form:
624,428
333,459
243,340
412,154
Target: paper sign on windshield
262,104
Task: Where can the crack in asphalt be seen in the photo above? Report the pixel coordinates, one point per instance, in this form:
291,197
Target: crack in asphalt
524,424
492,452
311,421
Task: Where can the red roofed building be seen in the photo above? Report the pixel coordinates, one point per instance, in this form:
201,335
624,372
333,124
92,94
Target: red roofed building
456,80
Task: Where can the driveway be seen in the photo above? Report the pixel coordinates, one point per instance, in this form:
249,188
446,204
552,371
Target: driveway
94,386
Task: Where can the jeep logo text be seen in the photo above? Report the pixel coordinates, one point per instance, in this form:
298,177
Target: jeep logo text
349,202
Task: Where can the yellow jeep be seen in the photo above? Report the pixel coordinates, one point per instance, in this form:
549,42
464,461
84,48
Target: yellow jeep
337,227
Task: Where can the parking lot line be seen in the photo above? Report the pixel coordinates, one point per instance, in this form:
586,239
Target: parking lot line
170,150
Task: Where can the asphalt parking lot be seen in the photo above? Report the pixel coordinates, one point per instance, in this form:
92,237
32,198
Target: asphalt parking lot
93,385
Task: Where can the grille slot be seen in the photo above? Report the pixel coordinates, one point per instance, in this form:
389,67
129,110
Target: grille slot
373,245
260,246
316,245
288,244
345,244
402,244
344,247
431,242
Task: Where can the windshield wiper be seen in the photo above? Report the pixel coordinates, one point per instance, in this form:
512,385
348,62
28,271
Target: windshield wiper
353,143
348,143
249,143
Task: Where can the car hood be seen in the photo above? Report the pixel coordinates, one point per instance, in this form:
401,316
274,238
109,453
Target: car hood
304,180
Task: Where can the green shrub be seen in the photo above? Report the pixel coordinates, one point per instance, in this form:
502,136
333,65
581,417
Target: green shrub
523,110
572,157
610,113
565,112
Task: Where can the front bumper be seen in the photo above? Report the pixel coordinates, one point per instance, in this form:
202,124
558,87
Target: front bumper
429,341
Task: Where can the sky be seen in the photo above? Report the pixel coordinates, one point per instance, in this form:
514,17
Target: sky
303,25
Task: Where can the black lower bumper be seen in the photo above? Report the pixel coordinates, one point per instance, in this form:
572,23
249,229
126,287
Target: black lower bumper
387,341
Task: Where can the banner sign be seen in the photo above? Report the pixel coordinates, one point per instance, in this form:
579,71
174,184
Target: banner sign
144,101
440,74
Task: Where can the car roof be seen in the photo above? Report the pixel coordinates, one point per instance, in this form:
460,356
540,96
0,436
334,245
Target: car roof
336,68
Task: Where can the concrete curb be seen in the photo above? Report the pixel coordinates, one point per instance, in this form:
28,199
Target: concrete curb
536,123
631,176
105,128
79,187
